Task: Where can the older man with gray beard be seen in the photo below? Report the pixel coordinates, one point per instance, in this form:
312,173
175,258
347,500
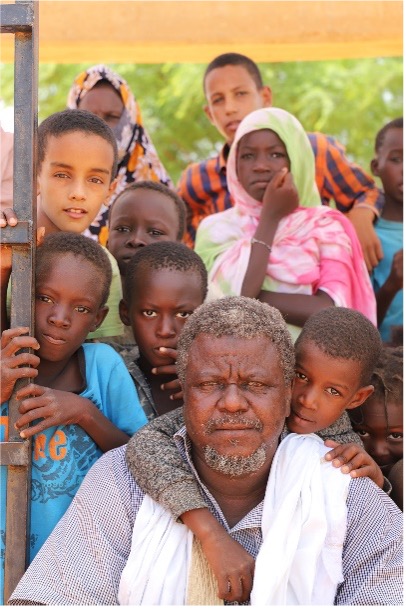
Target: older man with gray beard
318,536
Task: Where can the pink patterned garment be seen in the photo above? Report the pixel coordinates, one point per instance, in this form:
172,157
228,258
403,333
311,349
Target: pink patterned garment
315,247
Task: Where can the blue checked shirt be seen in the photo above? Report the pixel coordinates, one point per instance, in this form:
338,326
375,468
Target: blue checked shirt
82,561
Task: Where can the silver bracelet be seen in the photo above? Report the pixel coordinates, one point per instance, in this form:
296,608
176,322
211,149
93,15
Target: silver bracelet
255,241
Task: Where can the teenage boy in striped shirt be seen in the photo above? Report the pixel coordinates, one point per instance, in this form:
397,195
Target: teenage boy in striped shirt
233,88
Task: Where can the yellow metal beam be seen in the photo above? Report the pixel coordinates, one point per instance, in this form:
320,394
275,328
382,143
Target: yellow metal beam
139,31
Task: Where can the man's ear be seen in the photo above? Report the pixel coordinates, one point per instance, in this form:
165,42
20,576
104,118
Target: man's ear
101,315
123,311
361,396
266,94
374,167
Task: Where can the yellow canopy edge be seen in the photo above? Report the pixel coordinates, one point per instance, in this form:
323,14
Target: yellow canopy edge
137,31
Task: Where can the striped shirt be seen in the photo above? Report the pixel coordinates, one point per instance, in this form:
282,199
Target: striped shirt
203,185
82,561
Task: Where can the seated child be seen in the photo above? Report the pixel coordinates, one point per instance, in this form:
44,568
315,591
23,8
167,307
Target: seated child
83,401
164,283
336,352
387,276
144,213
278,243
76,167
379,422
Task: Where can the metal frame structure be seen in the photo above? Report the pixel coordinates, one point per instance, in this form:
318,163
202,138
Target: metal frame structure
21,19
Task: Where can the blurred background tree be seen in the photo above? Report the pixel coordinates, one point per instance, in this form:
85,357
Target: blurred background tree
348,99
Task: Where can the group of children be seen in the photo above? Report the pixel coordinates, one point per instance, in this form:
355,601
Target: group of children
136,293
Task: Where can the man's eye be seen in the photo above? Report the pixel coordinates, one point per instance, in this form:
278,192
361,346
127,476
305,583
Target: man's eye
149,313
254,384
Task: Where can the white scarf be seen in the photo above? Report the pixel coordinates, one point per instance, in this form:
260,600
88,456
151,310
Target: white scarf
303,524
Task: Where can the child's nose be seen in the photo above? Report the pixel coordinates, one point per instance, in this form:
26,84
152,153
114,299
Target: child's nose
78,191
308,398
166,327
136,239
59,318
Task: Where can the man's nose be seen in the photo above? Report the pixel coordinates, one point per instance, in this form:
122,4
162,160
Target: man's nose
233,399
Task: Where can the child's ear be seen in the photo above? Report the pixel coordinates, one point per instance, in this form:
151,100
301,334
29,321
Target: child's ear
374,167
208,114
112,187
361,396
266,94
123,311
101,315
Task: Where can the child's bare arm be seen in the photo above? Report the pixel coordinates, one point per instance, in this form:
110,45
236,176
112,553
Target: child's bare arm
59,407
353,459
390,287
231,564
16,366
154,461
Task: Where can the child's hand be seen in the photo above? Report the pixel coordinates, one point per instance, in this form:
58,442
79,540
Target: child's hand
231,564
8,217
354,460
281,196
53,407
173,385
16,366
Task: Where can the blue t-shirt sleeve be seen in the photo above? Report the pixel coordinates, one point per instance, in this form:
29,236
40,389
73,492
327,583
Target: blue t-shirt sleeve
117,396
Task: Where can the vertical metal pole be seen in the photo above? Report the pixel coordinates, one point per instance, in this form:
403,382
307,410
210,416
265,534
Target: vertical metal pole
18,452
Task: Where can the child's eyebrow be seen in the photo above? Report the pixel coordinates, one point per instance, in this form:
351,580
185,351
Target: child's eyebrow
70,167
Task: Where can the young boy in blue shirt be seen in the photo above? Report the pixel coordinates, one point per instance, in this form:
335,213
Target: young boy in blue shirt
77,164
82,401
387,276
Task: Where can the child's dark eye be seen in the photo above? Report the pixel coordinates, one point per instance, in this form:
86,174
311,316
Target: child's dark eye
333,391
247,156
362,433
396,436
278,155
300,376
44,298
149,313
183,314
96,180
155,233
61,175
82,310
217,100
122,229
241,93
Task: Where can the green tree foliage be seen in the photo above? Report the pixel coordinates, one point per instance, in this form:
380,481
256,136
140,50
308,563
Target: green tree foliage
348,99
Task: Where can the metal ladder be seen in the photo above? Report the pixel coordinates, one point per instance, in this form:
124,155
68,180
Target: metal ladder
21,19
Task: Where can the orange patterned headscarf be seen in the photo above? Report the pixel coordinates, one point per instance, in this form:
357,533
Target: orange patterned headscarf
138,159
